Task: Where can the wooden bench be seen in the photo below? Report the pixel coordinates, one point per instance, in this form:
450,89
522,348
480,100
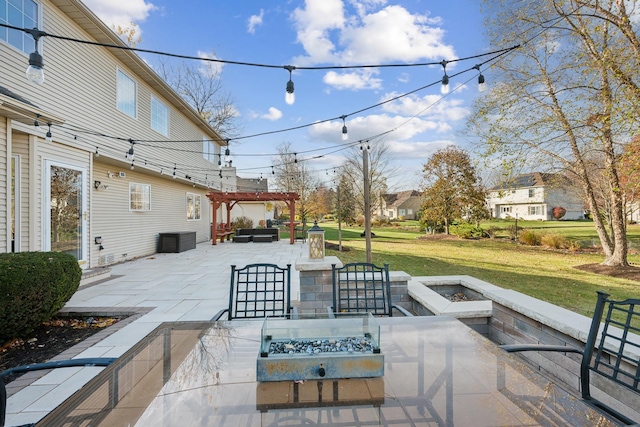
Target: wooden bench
223,231
612,354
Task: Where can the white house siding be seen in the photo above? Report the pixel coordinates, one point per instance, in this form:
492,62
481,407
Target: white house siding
129,234
80,87
519,202
20,147
255,211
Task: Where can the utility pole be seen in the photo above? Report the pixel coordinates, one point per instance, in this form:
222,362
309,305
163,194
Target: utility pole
339,221
367,202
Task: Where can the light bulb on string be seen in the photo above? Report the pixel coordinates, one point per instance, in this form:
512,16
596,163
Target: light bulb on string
48,136
290,96
35,70
482,86
444,89
345,135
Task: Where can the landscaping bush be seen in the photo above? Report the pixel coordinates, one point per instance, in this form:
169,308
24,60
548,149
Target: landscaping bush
466,231
529,237
556,241
243,222
34,286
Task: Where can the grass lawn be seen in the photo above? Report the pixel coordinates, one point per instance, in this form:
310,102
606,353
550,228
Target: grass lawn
544,274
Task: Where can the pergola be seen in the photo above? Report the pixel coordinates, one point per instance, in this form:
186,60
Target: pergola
230,200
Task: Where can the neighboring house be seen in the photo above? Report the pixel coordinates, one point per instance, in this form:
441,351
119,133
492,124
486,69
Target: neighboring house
82,192
533,196
404,204
257,211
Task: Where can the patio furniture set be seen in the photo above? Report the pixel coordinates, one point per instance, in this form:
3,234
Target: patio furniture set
256,235
438,370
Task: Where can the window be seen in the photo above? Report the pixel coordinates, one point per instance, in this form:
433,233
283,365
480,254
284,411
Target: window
506,209
159,117
209,150
535,210
401,212
390,214
126,94
19,13
532,192
409,211
139,197
193,206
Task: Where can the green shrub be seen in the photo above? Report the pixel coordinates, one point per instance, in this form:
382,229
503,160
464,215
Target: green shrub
34,286
467,231
529,237
242,222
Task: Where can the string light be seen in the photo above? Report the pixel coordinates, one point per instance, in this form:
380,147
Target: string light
289,96
36,123
97,154
35,70
345,135
482,86
130,154
48,136
174,171
444,89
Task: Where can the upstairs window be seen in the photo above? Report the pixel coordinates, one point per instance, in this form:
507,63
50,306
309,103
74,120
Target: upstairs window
19,13
159,117
209,150
126,94
532,192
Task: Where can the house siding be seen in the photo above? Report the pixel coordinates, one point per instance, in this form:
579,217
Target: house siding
80,87
130,234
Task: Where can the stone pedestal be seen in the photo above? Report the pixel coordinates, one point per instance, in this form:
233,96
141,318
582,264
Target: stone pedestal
316,289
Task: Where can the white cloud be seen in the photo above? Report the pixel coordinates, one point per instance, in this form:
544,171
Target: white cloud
413,149
434,107
370,126
122,13
273,114
210,68
254,21
330,35
355,80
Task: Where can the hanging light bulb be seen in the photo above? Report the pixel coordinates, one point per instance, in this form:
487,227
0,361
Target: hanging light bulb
290,97
48,136
97,152
444,89
35,70
132,167
174,172
482,86
273,172
295,157
36,123
345,135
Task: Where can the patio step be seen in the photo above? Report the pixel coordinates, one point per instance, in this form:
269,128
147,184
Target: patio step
94,275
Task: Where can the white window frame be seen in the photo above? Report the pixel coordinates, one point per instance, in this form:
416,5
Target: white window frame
535,210
159,116
27,43
532,192
144,193
194,207
124,105
409,211
506,209
209,150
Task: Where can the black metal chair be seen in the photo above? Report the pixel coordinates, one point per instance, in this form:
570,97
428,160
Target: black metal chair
608,358
300,233
94,361
258,291
361,287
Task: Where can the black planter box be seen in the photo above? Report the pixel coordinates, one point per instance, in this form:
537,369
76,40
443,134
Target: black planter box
177,242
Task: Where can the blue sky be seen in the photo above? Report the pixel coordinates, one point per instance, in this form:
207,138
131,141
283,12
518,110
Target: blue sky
323,33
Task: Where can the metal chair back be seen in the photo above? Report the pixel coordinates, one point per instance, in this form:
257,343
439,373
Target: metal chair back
258,291
361,287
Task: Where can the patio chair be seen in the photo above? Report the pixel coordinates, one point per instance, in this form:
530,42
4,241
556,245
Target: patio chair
301,233
94,361
258,291
613,352
361,287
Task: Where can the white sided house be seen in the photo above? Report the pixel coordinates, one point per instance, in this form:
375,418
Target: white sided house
118,158
533,197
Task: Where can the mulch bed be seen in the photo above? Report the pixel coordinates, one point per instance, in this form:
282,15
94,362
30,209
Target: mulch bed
630,272
50,339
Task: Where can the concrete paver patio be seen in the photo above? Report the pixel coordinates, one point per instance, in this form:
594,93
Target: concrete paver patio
186,286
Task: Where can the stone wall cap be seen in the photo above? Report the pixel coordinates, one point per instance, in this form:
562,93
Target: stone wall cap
308,264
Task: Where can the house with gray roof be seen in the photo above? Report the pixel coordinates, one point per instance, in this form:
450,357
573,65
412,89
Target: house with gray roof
404,204
533,196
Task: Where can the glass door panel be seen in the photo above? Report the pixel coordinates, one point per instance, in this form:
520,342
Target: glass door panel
66,210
